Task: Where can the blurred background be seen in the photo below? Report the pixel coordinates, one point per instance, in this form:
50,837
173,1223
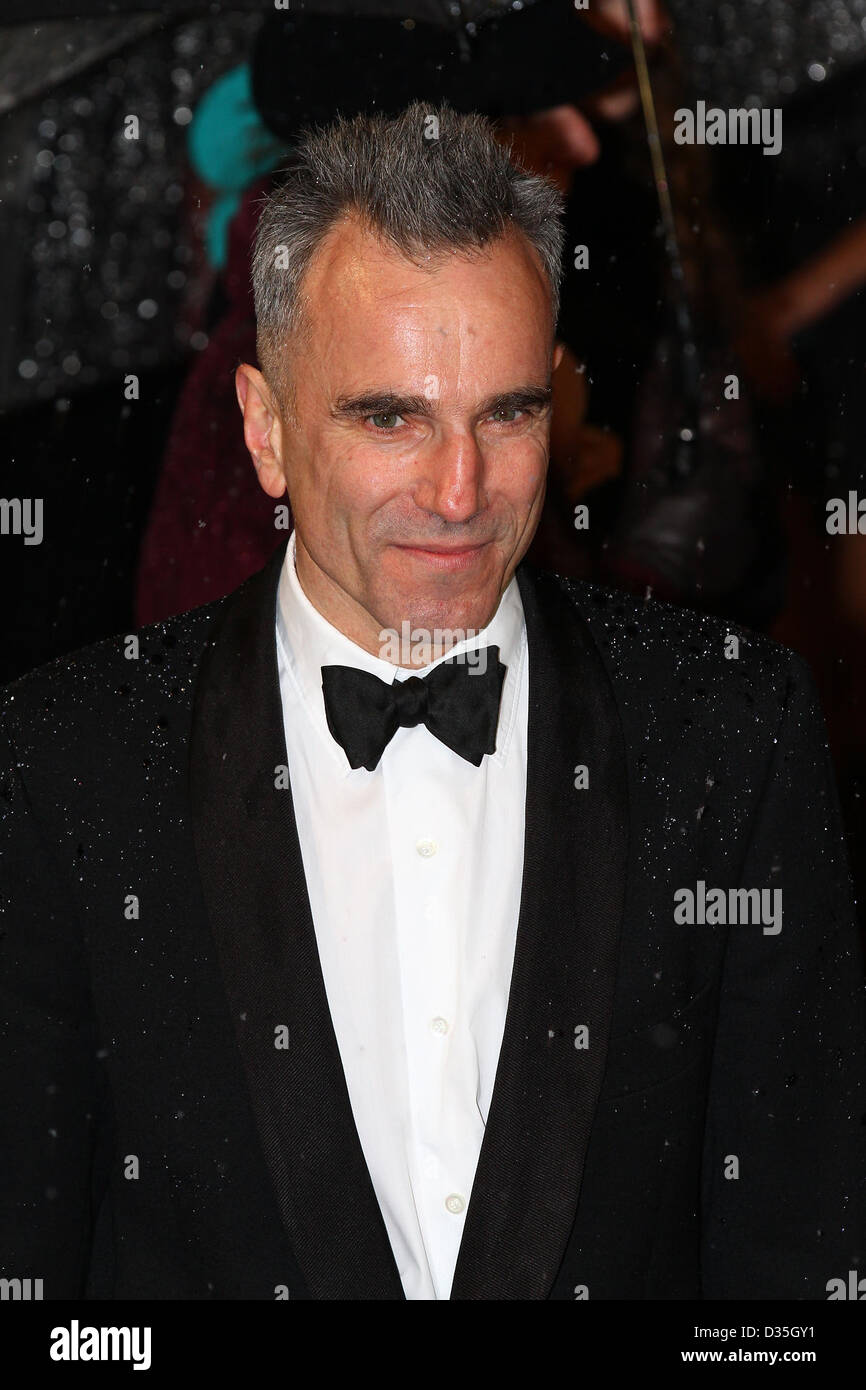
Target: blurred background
709,410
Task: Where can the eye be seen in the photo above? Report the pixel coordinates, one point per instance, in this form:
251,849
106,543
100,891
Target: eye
385,420
509,411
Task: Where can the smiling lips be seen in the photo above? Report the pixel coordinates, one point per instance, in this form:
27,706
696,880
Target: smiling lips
446,556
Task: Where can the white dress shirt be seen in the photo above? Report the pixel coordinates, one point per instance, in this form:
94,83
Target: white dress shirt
413,873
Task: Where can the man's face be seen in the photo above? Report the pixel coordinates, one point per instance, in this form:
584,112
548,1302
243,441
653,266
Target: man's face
416,460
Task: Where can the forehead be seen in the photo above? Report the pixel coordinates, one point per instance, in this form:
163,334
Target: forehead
364,296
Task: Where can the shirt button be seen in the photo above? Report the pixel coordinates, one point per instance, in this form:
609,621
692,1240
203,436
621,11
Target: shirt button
439,1025
426,848
455,1203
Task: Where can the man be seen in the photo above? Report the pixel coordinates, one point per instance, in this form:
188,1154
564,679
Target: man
410,924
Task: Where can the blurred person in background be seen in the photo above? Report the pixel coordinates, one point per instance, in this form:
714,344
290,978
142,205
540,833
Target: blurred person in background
104,294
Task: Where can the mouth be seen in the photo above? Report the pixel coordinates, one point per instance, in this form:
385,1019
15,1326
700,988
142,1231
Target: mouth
448,557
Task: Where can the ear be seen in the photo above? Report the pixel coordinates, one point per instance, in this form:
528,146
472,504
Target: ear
263,434
558,350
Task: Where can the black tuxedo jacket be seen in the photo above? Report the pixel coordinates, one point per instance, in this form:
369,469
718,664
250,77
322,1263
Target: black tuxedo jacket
706,1141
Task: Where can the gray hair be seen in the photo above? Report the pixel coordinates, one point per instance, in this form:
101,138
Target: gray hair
428,180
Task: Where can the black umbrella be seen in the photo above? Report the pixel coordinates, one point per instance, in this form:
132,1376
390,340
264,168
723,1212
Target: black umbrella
506,62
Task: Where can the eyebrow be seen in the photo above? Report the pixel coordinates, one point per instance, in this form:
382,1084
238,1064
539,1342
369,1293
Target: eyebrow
391,403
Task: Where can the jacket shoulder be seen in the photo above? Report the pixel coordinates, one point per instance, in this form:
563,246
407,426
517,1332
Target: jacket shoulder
89,693
654,648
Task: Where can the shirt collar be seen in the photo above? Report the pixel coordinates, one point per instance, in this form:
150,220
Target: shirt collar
306,642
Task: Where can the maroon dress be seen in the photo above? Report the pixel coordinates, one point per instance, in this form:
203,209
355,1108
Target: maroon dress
211,525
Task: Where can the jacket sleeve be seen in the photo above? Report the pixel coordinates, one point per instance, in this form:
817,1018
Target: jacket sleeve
787,1096
51,1088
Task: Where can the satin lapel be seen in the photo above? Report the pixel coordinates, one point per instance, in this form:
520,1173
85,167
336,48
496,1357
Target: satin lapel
527,1184
255,892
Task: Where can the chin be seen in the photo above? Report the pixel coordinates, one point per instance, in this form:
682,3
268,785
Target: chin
458,612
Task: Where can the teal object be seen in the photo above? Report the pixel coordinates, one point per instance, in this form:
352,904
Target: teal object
219,219
229,148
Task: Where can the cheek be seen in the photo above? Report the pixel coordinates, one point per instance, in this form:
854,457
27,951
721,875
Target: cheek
363,481
364,494
351,477
521,471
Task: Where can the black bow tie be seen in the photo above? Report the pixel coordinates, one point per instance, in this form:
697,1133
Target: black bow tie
459,703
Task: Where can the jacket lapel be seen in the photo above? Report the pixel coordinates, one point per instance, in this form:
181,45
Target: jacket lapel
527,1184
255,893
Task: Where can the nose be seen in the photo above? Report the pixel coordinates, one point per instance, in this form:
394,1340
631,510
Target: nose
451,484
